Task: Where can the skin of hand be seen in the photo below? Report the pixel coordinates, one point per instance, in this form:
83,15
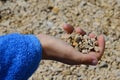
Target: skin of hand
58,50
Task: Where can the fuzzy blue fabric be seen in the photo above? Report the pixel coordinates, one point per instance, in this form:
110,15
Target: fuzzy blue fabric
19,56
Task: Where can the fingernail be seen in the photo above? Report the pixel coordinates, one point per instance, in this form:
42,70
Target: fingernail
94,62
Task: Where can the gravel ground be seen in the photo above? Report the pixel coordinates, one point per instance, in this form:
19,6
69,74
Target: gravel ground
47,16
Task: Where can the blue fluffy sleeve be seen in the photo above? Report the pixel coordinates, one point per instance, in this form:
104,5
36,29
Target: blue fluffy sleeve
19,56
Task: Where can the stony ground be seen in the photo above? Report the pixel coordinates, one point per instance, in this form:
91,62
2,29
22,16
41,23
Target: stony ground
47,16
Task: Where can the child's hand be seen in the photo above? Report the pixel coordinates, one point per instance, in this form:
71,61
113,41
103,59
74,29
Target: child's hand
56,49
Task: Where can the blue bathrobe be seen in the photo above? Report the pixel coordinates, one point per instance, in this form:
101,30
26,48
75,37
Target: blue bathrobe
19,56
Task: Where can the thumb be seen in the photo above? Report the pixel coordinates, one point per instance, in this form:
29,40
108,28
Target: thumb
87,59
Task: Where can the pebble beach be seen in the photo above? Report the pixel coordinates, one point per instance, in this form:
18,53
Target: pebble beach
48,17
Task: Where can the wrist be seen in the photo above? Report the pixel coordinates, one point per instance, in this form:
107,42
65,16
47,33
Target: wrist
44,43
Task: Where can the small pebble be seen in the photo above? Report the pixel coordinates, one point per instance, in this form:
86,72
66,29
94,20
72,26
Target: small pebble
55,10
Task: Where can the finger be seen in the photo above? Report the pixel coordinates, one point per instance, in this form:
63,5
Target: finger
80,31
68,28
92,35
87,59
101,45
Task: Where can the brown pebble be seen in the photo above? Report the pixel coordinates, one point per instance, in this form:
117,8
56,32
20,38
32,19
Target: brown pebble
55,10
75,43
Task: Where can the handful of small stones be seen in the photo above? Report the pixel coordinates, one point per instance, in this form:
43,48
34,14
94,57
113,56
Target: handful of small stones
84,43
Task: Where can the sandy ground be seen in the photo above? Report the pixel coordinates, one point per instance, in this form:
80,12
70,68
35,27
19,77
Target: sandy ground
47,16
